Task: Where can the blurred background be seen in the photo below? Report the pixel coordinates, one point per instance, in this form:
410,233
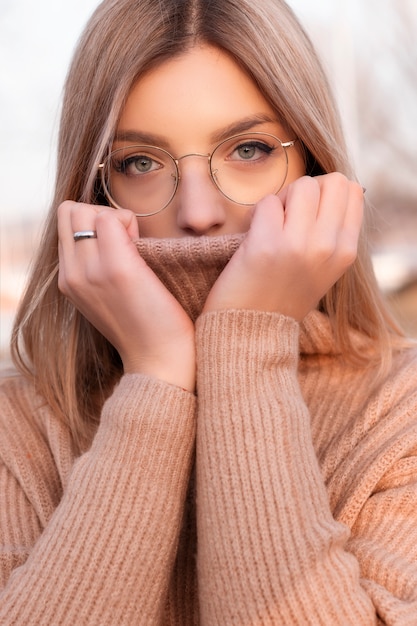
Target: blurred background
368,49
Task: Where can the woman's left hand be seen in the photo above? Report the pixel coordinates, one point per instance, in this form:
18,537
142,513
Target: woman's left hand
298,245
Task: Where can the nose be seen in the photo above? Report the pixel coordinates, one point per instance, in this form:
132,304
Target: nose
200,207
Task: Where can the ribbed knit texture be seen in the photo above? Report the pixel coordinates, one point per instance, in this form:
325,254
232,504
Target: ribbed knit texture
300,507
188,267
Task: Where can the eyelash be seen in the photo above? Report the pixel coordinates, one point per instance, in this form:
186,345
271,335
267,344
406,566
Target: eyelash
256,145
122,165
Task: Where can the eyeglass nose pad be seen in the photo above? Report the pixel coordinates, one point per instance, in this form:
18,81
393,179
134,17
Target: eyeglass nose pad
214,178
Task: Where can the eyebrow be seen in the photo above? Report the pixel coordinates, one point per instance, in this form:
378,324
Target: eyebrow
140,137
240,126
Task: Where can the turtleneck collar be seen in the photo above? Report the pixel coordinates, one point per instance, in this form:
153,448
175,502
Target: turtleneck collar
189,266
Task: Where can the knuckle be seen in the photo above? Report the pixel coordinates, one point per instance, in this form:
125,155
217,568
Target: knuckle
337,184
104,214
348,251
325,250
308,185
298,251
68,283
266,252
62,284
295,252
357,190
339,178
350,254
117,274
64,208
108,216
73,280
311,181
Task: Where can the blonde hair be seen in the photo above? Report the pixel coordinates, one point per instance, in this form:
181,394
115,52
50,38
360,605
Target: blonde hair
74,367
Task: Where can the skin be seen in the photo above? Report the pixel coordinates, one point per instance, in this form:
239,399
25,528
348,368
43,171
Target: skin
298,243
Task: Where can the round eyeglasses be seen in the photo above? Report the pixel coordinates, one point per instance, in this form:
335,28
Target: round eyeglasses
244,168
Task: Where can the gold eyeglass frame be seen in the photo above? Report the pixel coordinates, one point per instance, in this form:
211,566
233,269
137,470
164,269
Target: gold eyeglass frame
209,157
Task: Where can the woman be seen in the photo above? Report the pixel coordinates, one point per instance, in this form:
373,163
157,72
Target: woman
222,428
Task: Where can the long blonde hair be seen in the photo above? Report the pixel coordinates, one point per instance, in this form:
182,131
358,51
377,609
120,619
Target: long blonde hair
75,367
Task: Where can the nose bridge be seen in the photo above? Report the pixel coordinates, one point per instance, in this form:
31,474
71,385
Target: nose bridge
199,207
199,155
191,154
193,167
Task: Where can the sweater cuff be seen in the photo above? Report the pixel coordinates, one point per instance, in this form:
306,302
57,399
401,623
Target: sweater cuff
246,341
137,395
144,406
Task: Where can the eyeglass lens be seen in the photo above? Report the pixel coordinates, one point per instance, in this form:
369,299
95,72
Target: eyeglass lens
244,168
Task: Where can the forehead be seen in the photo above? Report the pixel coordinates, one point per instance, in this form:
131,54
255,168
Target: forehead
197,92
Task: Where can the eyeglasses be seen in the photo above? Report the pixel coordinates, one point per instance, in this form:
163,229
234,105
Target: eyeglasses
244,168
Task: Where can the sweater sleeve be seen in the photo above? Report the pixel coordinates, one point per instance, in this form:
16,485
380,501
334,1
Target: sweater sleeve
106,554
269,550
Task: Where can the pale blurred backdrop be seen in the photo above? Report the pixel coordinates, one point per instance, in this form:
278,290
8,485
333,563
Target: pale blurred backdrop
368,48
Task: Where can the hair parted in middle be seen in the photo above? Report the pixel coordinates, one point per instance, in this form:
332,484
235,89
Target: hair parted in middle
122,41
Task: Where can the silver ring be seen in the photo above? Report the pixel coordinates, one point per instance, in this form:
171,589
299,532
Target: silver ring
85,234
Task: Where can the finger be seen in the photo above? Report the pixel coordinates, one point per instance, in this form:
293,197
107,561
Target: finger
65,214
334,194
356,203
301,209
132,225
75,216
80,218
266,225
349,236
116,232
341,207
74,256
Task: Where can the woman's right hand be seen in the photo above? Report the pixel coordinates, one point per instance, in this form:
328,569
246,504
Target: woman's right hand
112,286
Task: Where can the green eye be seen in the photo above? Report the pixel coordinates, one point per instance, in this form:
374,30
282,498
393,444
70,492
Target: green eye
251,150
136,164
244,168
246,152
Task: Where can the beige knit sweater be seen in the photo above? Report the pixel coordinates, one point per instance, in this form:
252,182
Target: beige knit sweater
302,509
